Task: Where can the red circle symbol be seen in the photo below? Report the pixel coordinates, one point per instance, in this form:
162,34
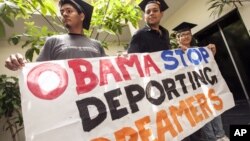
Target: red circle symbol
35,88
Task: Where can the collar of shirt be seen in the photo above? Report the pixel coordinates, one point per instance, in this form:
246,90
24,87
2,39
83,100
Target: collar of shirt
162,29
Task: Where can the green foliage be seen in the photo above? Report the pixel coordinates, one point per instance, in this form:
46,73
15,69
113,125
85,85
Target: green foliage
8,10
173,41
217,6
34,36
10,105
11,10
111,16
2,30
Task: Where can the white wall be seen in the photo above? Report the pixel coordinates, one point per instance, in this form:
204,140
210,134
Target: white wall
244,12
194,11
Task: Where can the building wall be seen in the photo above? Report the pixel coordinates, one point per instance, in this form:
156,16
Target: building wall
244,12
196,11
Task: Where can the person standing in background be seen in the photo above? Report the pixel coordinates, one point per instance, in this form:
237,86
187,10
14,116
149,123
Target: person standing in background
153,37
213,130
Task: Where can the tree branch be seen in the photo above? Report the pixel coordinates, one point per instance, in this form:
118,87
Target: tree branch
105,12
44,17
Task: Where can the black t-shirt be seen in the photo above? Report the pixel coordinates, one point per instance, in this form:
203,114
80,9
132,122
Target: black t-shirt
149,40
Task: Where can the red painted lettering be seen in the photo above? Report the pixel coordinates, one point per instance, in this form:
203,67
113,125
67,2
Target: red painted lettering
106,67
133,60
150,63
81,76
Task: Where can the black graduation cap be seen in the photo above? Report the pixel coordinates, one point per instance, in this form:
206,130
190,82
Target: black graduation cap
161,3
84,7
185,26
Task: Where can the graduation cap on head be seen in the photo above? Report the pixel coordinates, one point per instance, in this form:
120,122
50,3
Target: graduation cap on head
161,3
185,26
83,7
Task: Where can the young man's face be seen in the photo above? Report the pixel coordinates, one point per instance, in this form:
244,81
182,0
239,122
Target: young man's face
184,37
153,14
71,18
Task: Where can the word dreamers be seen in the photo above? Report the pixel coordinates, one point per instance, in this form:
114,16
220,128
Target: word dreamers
111,69
169,124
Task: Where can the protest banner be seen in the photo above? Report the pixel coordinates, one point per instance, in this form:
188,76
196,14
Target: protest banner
161,96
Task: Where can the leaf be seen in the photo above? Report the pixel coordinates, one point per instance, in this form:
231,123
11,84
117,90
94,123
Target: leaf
2,29
44,11
8,20
29,54
26,43
15,40
11,5
2,6
40,2
51,10
37,50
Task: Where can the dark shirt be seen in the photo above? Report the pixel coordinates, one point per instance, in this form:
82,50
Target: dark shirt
68,46
149,40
